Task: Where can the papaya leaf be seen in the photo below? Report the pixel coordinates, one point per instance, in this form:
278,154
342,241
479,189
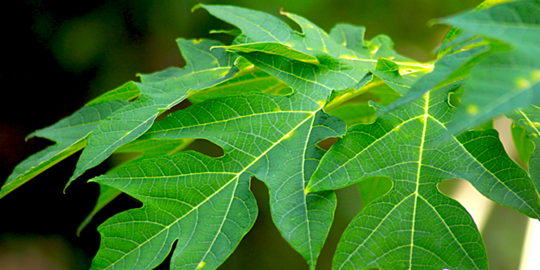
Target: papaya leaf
160,91
147,149
176,207
70,135
261,32
414,226
253,80
529,149
273,138
502,82
310,83
452,67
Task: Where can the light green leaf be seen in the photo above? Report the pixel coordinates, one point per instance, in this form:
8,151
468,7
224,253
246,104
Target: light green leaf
514,23
452,67
353,106
414,226
505,81
160,91
70,135
524,145
262,32
152,147
499,84
529,119
373,188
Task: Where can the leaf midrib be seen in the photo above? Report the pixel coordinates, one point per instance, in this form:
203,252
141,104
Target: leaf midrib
218,190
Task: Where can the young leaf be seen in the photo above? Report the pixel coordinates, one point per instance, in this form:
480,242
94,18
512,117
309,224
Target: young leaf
414,226
502,82
160,91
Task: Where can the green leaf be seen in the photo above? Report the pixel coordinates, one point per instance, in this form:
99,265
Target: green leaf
106,195
505,81
529,144
175,208
277,137
274,48
499,84
272,138
252,80
70,135
451,68
160,91
524,145
414,226
148,148
312,84
265,33
514,23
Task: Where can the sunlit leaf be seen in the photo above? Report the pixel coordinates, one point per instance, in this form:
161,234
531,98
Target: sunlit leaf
529,147
70,135
505,81
160,91
414,226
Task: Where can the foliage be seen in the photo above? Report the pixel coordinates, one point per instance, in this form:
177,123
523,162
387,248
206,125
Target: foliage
269,99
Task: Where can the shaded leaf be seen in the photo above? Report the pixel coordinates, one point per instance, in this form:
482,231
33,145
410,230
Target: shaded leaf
106,195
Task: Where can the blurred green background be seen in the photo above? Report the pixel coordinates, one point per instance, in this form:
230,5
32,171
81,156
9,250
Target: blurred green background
57,55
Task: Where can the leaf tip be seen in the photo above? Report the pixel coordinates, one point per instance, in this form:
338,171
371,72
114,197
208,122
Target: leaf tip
219,47
195,7
433,22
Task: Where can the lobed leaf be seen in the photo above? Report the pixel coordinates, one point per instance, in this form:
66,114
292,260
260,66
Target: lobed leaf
414,226
70,135
272,138
505,81
160,91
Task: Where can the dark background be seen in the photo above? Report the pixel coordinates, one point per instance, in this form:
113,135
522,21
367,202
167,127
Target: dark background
57,55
